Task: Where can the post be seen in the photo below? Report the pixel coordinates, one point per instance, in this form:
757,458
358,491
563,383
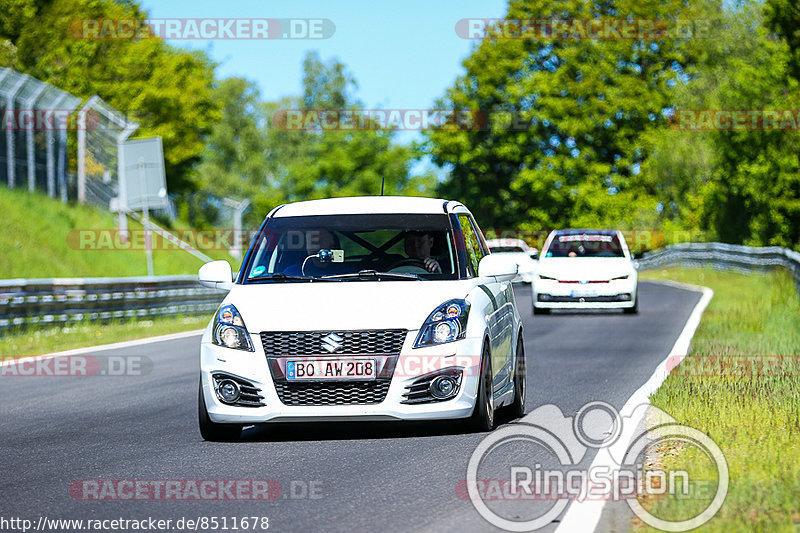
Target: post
82,148
30,104
82,155
11,135
129,128
51,165
148,244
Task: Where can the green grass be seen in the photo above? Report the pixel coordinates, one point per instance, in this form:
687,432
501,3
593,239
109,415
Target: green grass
36,342
754,416
40,239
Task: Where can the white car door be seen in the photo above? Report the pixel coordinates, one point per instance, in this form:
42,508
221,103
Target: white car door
501,317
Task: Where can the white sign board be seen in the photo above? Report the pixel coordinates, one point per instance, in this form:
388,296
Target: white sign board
144,183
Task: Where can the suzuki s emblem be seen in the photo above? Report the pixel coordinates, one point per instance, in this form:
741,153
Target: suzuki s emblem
332,342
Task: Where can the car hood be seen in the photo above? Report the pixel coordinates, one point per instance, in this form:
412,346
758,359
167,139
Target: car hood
347,305
585,268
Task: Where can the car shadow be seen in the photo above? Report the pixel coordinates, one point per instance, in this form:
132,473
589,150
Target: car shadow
348,431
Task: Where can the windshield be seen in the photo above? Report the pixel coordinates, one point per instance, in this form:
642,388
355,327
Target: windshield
338,246
585,245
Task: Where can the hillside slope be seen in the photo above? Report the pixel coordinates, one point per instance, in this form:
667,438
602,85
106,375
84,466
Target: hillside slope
41,238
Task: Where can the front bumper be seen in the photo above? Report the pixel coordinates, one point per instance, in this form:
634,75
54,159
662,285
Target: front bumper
615,294
411,364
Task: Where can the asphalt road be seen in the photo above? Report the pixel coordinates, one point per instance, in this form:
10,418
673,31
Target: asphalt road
364,477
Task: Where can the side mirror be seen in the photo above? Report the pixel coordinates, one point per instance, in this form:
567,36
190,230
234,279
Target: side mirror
534,253
498,266
216,275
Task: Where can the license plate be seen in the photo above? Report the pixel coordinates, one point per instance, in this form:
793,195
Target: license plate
583,294
330,369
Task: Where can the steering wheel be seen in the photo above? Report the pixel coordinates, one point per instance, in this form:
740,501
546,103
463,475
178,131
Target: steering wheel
409,265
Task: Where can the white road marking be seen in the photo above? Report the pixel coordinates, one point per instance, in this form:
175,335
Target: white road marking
584,516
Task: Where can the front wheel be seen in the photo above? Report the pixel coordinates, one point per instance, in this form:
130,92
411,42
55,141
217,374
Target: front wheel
482,419
213,431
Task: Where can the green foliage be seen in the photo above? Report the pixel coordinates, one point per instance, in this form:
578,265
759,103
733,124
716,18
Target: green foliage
249,155
588,105
596,146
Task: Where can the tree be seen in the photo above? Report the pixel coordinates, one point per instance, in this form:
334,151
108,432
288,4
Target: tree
587,107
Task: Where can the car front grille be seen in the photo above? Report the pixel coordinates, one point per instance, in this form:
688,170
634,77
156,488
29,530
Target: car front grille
584,299
339,393
360,342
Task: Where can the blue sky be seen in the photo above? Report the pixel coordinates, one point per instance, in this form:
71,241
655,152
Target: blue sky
404,54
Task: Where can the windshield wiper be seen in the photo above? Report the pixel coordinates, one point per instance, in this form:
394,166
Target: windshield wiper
369,275
280,276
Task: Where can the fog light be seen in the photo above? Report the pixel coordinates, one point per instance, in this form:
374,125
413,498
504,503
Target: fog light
625,297
228,391
443,387
544,297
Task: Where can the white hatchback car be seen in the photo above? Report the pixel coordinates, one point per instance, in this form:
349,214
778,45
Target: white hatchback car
585,269
524,255
368,308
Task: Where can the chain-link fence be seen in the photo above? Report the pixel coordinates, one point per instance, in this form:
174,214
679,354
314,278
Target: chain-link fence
39,125
34,134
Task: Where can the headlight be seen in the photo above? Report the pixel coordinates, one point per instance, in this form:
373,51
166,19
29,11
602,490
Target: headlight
447,323
230,331
546,277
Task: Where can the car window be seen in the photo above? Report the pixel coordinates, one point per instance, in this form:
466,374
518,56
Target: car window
416,244
506,249
472,242
585,245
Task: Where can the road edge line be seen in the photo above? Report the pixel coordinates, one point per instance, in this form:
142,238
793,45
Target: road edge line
104,347
583,516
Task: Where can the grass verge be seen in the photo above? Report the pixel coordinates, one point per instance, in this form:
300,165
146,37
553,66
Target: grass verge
44,238
749,405
17,344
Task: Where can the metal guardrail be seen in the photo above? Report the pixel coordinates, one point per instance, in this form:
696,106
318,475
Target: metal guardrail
38,302
724,256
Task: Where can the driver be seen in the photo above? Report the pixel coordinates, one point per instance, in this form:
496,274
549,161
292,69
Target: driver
418,245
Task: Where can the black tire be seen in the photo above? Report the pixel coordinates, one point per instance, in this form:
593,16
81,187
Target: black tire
482,419
517,407
541,310
212,431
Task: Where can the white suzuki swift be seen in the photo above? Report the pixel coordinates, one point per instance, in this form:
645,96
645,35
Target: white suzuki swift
368,308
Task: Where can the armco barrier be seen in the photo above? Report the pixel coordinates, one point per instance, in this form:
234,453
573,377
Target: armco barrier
723,256
38,302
